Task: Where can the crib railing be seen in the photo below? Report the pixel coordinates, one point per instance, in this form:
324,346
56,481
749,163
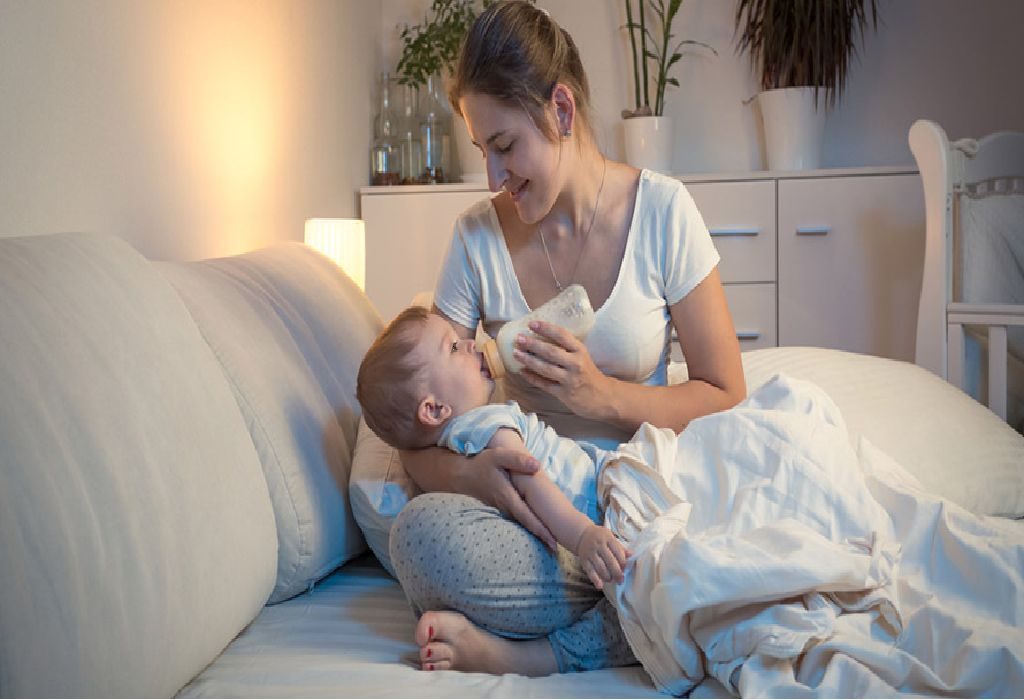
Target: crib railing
997,318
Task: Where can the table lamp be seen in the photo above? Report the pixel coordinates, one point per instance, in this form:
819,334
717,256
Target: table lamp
344,242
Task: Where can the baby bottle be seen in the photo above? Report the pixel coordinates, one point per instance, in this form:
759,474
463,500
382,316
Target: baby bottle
570,310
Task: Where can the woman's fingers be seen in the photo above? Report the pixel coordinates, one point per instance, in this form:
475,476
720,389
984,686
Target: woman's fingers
514,505
516,461
555,334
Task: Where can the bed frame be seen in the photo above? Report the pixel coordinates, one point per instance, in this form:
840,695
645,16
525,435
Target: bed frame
949,170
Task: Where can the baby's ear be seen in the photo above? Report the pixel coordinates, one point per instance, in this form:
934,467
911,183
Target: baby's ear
432,412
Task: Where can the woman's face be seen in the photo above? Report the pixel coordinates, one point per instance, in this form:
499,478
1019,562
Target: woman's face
520,159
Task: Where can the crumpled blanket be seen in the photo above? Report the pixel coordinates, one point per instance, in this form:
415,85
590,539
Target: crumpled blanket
772,555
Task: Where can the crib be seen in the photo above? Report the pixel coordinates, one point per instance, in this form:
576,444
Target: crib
970,325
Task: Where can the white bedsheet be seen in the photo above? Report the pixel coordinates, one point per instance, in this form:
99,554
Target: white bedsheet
771,555
352,637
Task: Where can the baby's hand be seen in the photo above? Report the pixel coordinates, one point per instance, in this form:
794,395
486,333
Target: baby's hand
602,555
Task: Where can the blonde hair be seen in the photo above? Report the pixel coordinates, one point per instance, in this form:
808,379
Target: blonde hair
516,53
390,385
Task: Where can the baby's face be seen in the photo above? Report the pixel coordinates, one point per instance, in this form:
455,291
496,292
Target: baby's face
456,373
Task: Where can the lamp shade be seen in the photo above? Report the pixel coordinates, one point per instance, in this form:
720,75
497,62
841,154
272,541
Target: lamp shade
343,241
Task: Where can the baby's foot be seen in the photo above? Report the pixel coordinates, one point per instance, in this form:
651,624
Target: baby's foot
448,641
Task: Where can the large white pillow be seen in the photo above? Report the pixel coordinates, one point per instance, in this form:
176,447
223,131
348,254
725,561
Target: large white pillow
289,329
955,446
137,536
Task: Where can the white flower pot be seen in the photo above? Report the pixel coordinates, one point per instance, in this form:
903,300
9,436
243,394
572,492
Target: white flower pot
648,143
794,128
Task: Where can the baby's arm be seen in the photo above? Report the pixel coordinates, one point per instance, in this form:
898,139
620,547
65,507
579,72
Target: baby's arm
602,555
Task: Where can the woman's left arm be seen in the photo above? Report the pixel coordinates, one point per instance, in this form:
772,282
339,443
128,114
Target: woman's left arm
564,368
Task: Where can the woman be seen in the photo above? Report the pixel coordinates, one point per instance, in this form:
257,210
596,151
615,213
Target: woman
493,597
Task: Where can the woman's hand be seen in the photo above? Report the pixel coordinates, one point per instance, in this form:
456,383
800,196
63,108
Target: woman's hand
557,362
487,479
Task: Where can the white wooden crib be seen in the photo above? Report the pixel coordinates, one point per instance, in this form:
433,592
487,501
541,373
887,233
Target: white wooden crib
974,264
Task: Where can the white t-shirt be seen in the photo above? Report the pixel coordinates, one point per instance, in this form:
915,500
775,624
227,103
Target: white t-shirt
668,252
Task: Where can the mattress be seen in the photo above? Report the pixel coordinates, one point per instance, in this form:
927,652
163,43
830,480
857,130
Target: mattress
351,636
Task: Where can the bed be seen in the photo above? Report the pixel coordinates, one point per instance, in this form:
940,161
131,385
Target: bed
970,327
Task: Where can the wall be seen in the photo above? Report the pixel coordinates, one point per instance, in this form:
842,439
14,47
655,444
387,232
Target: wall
954,61
192,128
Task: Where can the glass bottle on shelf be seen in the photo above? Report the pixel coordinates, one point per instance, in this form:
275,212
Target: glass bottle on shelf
435,133
385,167
410,149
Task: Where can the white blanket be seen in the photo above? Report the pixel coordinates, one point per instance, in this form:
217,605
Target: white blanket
770,554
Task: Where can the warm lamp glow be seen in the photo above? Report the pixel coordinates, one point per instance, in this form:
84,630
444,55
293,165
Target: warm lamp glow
343,241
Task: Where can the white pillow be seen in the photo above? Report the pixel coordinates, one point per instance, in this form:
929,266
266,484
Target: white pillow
955,446
378,489
289,329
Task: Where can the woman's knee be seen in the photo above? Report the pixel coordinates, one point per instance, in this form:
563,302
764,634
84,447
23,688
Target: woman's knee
429,541
453,552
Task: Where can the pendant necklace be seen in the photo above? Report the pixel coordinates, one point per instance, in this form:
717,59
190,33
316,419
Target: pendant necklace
586,235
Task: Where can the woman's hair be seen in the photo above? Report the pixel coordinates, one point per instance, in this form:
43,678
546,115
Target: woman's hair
516,53
389,385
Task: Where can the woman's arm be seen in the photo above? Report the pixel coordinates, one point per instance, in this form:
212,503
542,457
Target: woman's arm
484,477
563,367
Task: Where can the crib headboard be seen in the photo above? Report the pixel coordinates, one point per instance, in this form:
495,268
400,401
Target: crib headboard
950,171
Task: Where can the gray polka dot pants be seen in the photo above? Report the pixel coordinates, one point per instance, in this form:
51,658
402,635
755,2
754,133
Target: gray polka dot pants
451,552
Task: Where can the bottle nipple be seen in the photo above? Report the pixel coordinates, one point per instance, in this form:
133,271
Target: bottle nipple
493,359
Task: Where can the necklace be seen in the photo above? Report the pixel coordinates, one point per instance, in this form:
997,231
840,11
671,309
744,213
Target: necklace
586,236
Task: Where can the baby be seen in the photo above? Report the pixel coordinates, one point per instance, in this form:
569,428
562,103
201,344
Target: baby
421,385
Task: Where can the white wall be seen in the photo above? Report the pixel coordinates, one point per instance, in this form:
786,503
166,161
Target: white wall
196,128
955,61
192,128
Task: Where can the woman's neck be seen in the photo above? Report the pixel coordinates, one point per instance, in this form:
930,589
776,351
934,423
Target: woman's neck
576,205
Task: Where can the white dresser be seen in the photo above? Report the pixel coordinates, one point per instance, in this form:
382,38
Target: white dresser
830,258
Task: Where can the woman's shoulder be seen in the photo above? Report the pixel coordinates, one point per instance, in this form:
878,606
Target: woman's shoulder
477,215
657,191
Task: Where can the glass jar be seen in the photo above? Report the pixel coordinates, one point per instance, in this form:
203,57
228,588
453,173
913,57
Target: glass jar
410,149
435,132
385,158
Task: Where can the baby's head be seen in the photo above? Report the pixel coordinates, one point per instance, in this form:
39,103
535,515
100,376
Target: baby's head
416,376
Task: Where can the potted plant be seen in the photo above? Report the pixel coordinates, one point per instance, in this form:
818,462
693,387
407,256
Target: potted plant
429,52
646,130
429,49
801,50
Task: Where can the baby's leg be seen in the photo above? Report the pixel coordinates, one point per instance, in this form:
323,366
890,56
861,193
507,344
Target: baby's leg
452,553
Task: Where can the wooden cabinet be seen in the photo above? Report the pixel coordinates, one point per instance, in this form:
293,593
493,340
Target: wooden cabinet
407,234
830,258
851,253
741,219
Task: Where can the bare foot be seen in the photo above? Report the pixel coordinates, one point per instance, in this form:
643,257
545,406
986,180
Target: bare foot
448,641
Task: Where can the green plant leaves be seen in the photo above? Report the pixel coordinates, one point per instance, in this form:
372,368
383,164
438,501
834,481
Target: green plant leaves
796,43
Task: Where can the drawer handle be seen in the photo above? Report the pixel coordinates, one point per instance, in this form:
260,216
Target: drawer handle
813,230
735,231
740,335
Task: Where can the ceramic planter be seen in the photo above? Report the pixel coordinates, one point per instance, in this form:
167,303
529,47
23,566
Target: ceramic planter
794,128
648,143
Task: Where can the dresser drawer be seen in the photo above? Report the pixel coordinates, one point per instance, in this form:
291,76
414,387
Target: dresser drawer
753,314
741,219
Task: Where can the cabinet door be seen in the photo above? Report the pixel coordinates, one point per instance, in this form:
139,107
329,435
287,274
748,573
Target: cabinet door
407,236
741,219
851,251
